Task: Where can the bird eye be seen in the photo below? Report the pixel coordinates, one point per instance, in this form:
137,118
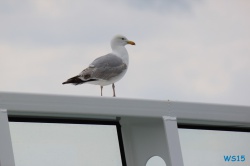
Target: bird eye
123,38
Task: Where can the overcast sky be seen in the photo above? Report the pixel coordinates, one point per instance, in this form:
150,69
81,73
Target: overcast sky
186,50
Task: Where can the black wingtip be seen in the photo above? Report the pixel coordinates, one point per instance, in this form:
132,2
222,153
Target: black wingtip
76,81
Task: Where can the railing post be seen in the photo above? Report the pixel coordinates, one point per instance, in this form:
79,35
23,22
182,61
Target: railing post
6,152
173,142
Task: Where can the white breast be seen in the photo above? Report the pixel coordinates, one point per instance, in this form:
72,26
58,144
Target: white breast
122,52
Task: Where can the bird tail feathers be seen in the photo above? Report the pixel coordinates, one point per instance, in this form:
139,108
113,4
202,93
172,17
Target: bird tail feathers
76,81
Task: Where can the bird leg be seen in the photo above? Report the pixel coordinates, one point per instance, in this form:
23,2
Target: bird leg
101,90
113,86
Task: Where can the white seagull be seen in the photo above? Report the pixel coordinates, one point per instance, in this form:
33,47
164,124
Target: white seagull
106,69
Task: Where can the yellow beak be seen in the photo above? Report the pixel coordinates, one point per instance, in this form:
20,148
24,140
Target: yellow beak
131,42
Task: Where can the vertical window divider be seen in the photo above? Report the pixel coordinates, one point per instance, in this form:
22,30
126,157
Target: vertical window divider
121,145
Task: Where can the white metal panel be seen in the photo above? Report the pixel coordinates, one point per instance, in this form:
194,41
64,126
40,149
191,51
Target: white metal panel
6,152
143,138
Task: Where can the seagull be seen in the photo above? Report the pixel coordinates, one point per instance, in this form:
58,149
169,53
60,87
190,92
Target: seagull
106,69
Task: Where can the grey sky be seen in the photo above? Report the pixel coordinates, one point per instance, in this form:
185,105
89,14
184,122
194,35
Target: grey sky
186,50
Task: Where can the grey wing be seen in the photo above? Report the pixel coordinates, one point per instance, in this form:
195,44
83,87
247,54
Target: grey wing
104,67
109,60
108,72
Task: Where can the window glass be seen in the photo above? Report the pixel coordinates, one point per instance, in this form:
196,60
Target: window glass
59,144
214,148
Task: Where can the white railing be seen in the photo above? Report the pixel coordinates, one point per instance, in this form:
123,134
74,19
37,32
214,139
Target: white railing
157,120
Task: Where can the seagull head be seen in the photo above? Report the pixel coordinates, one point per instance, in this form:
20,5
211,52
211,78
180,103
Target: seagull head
120,40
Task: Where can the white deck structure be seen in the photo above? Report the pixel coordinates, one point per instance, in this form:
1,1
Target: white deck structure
148,127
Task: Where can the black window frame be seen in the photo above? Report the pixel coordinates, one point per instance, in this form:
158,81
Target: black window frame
214,127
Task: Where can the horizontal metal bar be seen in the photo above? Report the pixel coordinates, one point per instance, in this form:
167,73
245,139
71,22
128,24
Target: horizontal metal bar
29,104
103,107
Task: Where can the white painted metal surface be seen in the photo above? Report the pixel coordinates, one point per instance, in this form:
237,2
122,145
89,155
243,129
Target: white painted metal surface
190,113
173,141
149,127
143,138
6,153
